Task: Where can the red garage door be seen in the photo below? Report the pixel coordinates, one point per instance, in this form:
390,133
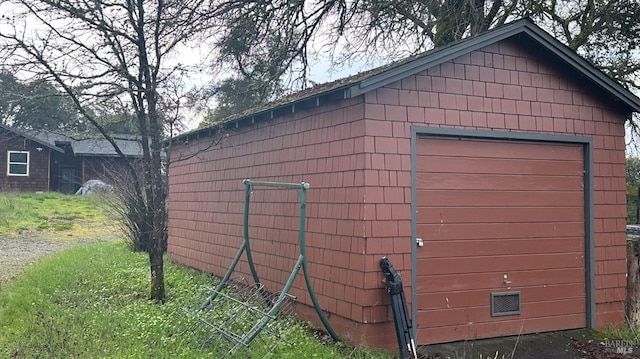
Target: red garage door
503,230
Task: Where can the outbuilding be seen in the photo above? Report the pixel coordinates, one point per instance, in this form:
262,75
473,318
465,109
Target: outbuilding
490,172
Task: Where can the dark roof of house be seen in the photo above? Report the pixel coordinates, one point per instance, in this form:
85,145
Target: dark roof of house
101,147
80,145
33,137
525,30
53,139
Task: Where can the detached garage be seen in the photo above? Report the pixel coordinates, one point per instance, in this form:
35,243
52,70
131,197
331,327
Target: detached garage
490,172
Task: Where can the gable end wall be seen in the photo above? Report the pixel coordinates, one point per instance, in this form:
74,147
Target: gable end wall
503,87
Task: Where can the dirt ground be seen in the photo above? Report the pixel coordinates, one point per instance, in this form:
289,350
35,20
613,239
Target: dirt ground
571,344
17,251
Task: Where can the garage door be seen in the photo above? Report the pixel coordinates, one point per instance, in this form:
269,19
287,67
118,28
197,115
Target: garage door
502,224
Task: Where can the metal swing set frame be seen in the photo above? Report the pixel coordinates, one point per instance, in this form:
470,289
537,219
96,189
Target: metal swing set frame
272,304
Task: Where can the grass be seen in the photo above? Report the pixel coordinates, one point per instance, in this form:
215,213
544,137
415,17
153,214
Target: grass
90,301
626,333
48,211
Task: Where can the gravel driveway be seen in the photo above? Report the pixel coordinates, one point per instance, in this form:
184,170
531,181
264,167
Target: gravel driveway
20,250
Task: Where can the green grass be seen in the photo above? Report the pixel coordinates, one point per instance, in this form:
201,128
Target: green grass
626,332
90,301
47,211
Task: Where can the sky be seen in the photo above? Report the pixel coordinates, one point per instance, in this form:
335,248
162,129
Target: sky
323,71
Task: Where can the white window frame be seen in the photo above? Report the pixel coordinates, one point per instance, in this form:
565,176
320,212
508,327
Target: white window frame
9,163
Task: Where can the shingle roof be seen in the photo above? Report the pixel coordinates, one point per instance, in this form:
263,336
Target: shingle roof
33,137
525,30
128,144
102,147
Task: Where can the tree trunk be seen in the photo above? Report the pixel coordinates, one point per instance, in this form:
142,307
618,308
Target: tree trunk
157,267
638,207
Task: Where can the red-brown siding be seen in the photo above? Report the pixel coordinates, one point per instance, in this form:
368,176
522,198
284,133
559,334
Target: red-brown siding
477,245
356,155
38,178
103,168
324,149
504,87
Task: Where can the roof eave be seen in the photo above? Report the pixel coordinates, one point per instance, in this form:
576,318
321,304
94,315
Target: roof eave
431,60
110,155
31,138
522,27
581,65
357,87
313,100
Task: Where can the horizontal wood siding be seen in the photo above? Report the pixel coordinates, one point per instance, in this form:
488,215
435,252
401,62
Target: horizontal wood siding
38,179
475,246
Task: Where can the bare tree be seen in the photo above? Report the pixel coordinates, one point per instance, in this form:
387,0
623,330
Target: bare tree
113,57
605,32
352,29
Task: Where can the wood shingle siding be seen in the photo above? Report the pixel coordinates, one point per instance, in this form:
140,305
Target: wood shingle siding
504,153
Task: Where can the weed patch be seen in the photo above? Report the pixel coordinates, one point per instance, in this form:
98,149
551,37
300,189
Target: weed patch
20,212
91,301
626,333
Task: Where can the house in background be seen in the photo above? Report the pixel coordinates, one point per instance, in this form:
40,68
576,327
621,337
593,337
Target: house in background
45,161
26,161
491,173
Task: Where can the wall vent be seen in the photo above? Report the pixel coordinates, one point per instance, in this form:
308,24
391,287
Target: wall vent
505,303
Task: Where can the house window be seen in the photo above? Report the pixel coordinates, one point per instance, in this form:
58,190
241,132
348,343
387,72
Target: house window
18,163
